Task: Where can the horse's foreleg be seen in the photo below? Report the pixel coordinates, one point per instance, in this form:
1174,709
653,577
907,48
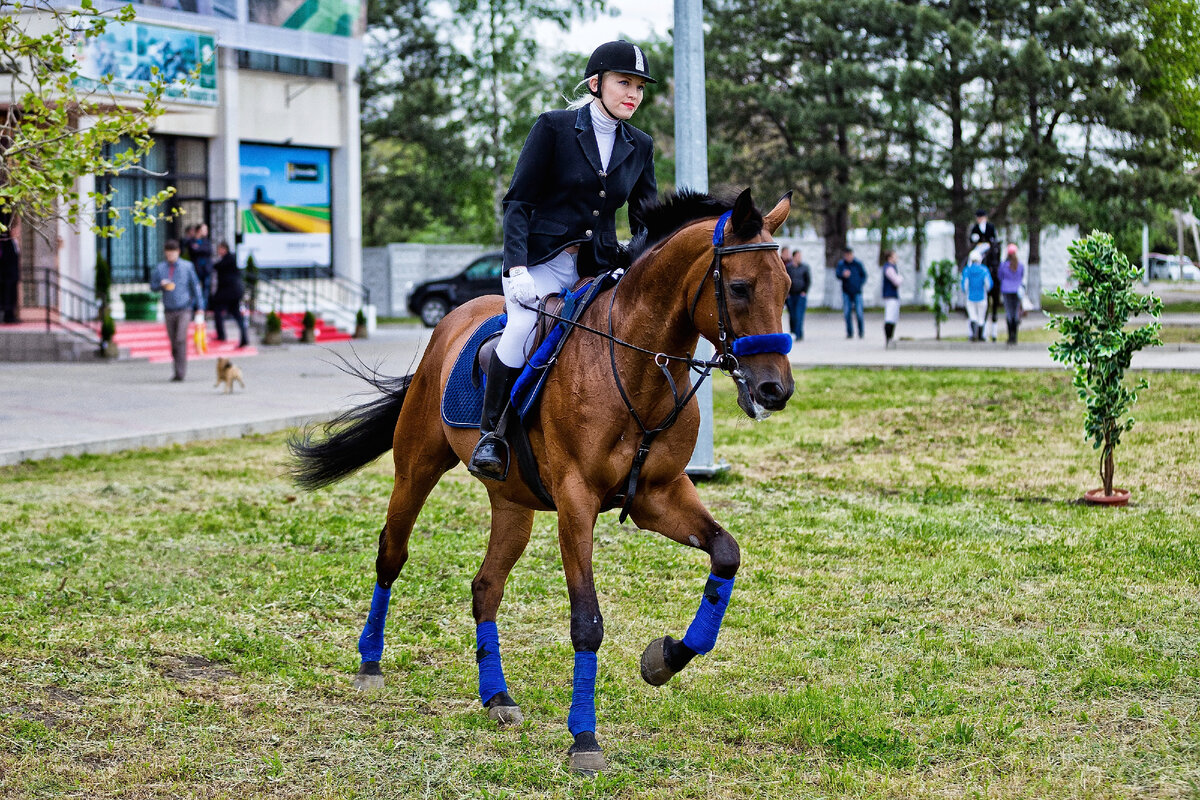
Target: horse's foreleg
419,466
676,512
576,524
511,525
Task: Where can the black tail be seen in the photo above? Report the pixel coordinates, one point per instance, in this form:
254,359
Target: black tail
352,439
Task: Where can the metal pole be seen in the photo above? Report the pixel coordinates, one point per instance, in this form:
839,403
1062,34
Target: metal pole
691,171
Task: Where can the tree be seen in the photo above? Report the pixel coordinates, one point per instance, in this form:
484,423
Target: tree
1097,346
45,140
941,282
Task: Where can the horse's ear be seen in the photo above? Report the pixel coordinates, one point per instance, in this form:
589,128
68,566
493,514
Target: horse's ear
779,213
747,221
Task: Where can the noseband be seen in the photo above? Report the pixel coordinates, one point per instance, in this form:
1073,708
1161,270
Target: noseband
731,345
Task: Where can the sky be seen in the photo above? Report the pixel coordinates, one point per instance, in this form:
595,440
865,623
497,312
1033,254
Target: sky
636,19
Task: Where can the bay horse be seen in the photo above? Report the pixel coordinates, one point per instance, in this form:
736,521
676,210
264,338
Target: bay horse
632,369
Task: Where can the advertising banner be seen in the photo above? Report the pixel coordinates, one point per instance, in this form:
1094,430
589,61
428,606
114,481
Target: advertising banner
211,8
284,196
336,17
131,53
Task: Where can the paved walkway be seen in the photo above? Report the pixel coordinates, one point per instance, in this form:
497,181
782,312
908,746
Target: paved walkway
52,410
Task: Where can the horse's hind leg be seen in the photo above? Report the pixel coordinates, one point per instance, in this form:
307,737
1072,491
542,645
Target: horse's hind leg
676,512
420,463
511,525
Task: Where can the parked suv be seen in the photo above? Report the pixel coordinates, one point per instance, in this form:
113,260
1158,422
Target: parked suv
434,299
1170,268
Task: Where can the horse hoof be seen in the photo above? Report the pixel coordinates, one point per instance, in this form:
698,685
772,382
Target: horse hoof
585,756
506,716
369,677
654,663
504,710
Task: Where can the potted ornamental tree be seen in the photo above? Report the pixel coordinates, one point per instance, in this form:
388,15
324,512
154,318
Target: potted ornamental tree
103,291
309,334
360,325
941,281
1096,345
273,333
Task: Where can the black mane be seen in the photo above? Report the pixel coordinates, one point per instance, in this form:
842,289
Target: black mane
675,210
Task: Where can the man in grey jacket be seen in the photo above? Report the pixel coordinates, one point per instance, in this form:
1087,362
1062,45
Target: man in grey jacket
176,278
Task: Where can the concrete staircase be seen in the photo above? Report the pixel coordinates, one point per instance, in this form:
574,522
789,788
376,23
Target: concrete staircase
30,341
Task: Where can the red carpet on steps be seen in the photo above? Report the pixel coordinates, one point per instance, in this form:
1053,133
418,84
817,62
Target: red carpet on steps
149,340
325,332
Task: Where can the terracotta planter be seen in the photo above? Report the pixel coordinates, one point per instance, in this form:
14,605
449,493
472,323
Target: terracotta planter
1096,497
109,349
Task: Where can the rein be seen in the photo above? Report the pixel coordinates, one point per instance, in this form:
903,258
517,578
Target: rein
731,346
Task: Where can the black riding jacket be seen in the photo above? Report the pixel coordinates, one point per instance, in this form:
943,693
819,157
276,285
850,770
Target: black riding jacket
561,196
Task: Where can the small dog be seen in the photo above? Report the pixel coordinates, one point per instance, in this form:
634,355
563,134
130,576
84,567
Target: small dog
228,373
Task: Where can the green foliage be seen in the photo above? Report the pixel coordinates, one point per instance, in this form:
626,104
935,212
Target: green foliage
46,149
251,280
1095,343
108,328
941,281
360,318
310,320
274,323
103,280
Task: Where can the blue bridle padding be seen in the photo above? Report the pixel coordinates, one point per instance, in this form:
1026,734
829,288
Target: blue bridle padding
762,343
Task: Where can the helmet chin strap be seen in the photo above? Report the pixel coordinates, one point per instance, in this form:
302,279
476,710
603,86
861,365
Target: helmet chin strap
596,94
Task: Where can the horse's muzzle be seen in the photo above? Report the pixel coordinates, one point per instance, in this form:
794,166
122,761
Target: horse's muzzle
763,392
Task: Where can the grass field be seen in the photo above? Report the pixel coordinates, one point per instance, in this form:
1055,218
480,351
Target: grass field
923,610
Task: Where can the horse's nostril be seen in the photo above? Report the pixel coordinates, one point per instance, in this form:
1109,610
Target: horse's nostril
772,393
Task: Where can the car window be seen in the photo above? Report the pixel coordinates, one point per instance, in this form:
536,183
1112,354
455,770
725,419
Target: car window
485,269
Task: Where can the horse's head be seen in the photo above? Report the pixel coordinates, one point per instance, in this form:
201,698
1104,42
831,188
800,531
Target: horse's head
739,305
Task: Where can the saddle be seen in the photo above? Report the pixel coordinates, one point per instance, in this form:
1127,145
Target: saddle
462,400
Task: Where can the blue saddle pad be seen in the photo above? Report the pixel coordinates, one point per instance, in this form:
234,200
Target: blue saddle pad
462,402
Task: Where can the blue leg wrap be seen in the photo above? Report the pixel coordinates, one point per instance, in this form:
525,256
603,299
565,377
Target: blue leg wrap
370,644
701,635
583,696
487,656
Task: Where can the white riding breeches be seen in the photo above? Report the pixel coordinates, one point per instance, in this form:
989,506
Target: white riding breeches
552,276
891,310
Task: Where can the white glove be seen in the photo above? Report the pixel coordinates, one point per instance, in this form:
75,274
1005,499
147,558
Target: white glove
199,319
519,286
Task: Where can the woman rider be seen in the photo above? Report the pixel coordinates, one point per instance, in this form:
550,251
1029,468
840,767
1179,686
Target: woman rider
577,167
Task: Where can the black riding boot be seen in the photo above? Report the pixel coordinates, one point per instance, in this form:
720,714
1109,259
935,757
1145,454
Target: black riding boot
889,330
490,459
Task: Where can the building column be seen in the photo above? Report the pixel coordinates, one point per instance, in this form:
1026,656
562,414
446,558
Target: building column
223,156
347,181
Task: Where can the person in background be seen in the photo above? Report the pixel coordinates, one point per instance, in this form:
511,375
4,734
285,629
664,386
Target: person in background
1012,277
200,252
853,275
10,268
797,301
976,283
891,296
176,279
228,295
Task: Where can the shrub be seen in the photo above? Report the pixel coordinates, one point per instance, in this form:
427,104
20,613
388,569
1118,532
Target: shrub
1095,343
310,320
274,324
941,281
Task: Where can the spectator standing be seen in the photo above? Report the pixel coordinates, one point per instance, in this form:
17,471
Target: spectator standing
10,268
976,283
891,296
1012,277
227,298
983,232
797,301
200,252
176,278
853,275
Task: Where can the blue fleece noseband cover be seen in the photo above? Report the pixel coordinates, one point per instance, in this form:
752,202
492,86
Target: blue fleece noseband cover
762,343
487,656
583,694
701,635
370,644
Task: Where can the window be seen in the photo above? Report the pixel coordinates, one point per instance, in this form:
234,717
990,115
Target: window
289,65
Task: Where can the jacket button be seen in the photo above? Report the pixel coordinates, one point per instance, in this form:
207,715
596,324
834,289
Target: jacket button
603,193
595,213
587,233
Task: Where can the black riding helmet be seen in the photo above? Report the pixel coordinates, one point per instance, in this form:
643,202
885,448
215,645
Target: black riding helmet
619,56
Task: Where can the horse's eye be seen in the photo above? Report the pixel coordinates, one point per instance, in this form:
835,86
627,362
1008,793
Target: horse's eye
740,290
